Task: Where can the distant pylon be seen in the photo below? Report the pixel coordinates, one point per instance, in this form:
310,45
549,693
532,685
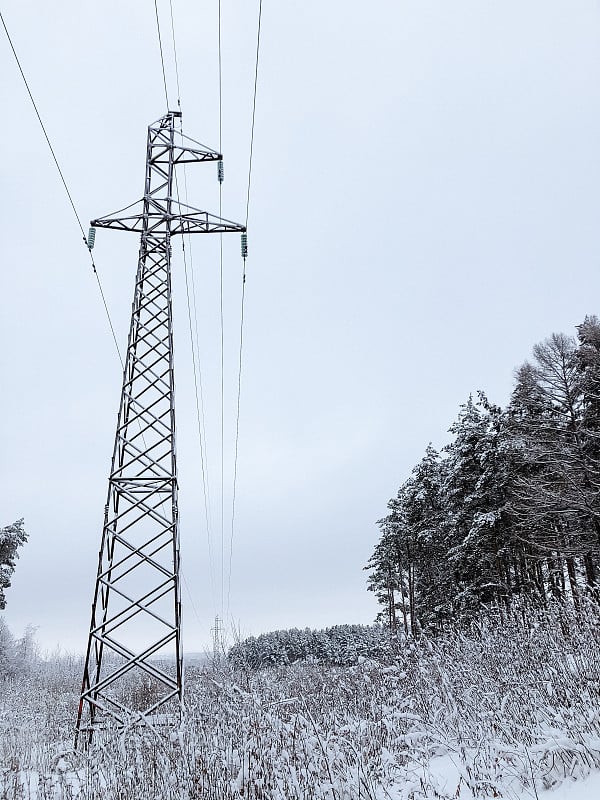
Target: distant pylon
218,649
133,669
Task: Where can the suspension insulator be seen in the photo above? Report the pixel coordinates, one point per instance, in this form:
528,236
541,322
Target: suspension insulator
91,239
220,171
244,245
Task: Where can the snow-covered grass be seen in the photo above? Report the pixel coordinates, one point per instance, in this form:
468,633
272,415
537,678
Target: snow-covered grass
503,710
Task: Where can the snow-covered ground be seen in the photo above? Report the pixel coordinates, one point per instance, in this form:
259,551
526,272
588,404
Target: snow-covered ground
507,711
588,789
447,775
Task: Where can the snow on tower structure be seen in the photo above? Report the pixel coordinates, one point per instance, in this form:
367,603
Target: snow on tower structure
133,665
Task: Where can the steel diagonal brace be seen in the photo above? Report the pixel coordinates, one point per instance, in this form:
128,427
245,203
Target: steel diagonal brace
140,374
143,417
144,558
101,707
108,581
144,413
110,625
139,551
142,607
151,464
142,369
151,461
134,661
141,504
158,704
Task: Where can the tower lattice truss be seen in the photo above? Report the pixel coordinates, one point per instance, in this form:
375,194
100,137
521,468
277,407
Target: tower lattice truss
133,666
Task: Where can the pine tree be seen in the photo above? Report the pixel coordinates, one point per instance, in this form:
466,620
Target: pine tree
386,578
407,566
425,546
11,538
477,525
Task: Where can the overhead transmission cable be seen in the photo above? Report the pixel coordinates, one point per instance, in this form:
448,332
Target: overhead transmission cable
241,347
199,418
194,343
253,110
77,217
70,196
175,55
66,188
220,175
196,367
198,386
162,58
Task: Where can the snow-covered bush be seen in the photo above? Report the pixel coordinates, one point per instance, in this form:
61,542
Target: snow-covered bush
17,656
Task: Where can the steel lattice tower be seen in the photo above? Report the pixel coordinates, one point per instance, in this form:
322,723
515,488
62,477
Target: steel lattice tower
136,610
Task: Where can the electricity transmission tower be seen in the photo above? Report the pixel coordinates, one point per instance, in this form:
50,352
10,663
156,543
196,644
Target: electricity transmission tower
217,633
133,666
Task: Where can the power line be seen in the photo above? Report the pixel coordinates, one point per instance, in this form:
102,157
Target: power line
175,55
105,304
220,85
162,60
97,276
221,324
253,110
241,348
66,188
199,395
196,367
199,404
237,436
60,172
199,419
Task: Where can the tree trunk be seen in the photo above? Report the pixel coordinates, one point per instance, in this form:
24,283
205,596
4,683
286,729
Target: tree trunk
590,569
573,580
553,577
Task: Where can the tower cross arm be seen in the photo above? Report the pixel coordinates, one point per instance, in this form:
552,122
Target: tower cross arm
188,220
165,154
188,155
132,224
185,151
203,222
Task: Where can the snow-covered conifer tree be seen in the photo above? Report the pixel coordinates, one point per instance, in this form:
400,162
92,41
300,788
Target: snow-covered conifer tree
11,538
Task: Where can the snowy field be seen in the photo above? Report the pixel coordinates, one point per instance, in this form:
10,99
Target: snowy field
504,710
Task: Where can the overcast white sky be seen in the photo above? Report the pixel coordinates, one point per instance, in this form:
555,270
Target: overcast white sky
425,208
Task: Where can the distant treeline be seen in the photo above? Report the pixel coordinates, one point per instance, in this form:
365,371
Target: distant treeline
510,509
341,645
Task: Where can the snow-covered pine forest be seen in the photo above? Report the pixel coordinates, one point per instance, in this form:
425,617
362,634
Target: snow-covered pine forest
510,509
481,678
